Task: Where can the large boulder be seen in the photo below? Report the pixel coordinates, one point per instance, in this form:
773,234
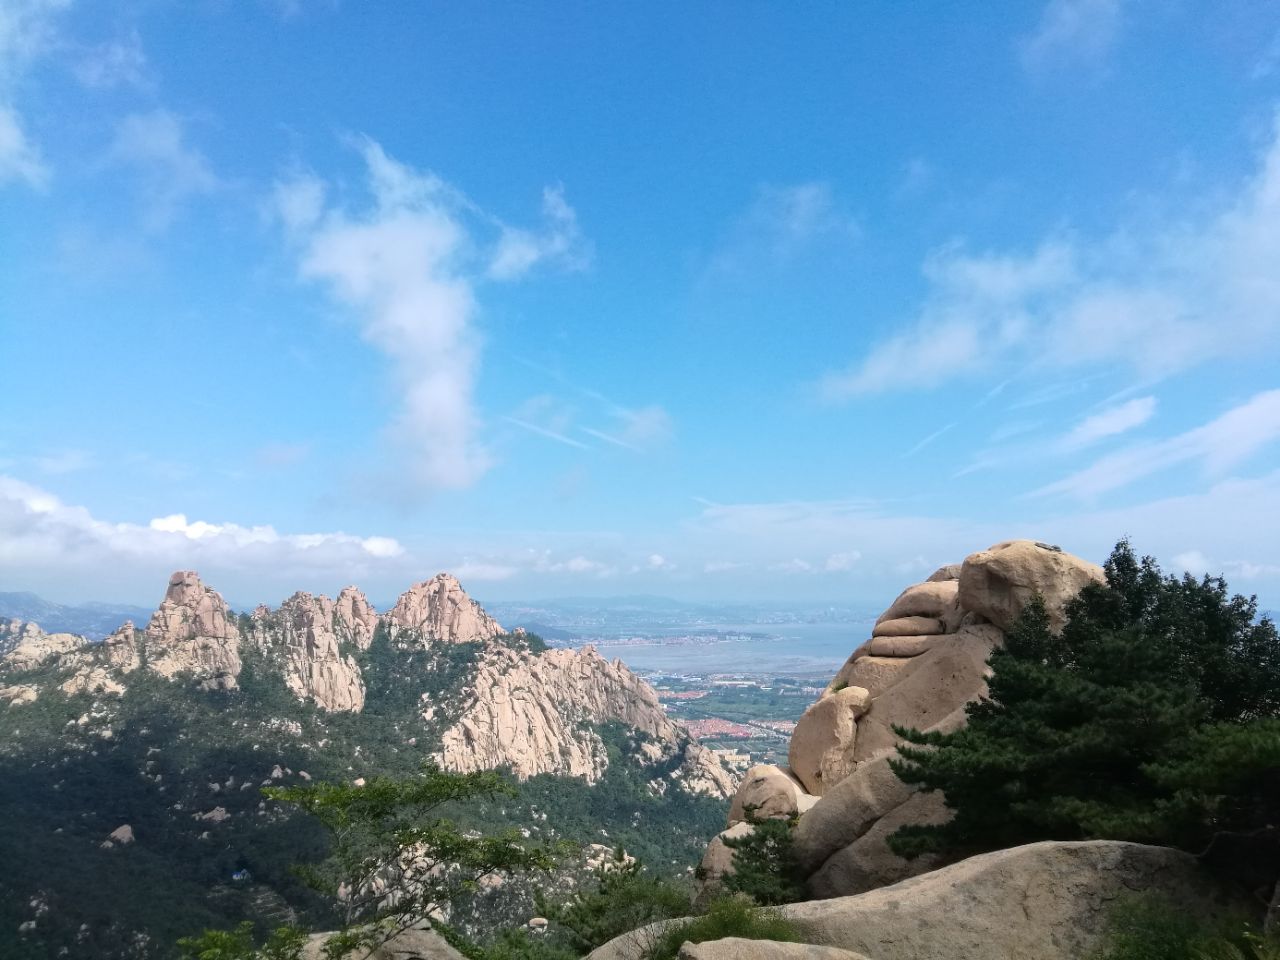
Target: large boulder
717,862
846,812
1047,901
823,741
1042,901
740,948
873,674
934,598
997,583
768,792
907,627
868,862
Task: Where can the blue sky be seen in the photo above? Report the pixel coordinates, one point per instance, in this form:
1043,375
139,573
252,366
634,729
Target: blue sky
719,300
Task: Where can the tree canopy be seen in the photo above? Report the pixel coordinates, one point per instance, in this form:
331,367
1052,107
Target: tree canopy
1154,716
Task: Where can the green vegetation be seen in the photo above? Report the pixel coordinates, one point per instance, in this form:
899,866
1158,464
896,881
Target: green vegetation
170,752
730,916
625,897
764,868
1153,717
1150,929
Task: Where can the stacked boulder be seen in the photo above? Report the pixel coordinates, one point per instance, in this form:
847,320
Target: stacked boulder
925,660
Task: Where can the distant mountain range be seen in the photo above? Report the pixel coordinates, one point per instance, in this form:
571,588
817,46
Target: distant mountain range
91,619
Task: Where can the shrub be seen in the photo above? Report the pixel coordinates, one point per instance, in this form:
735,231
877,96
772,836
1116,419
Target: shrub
1148,928
764,866
731,916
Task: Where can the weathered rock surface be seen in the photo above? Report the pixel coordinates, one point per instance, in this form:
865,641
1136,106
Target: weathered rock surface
739,948
999,582
29,647
354,617
926,659
717,863
1047,901
907,627
439,609
193,632
935,599
534,713
1059,893
768,792
822,747
313,631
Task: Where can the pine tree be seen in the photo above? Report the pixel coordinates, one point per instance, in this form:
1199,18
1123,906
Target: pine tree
1097,733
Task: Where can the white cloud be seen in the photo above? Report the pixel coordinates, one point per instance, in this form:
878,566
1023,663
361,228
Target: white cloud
561,242
1072,33
1110,422
171,169
19,158
1154,300
637,430
1216,446
842,562
406,266
40,532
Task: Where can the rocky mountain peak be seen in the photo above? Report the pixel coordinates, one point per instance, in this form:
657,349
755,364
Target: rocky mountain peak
354,615
312,630
439,609
193,630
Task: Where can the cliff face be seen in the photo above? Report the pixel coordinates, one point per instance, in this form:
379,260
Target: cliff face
531,712
536,714
310,633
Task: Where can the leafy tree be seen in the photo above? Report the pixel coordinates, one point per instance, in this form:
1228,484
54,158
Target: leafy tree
393,860
764,867
625,897
285,943
1097,733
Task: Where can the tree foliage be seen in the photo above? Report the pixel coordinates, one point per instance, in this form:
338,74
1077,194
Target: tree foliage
394,858
625,896
1152,717
764,867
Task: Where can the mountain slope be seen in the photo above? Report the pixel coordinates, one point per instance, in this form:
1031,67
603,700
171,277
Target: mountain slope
172,729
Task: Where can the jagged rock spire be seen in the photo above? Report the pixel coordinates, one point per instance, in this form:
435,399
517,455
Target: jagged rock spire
439,609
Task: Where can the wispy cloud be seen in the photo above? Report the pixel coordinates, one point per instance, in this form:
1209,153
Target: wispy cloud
1215,447
119,62
560,242
171,170
1073,33
781,223
925,441
20,159
407,265
546,432
1110,422
1153,300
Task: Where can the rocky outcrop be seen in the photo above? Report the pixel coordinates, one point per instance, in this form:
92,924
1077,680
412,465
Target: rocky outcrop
536,715
439,609
28,647
769,792
310,633
355,620
739,948
193,632
1061,895
998,583
925,660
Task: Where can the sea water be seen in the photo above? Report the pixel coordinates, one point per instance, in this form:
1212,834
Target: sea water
792,649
